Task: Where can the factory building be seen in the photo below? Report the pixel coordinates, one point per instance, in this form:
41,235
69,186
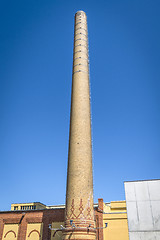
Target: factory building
136,218
43,221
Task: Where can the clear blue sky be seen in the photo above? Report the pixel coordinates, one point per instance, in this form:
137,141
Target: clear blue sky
36,48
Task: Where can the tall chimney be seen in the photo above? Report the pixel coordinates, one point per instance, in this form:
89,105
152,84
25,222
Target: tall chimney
79,215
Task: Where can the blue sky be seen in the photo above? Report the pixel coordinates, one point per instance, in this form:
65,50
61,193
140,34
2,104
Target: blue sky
36,48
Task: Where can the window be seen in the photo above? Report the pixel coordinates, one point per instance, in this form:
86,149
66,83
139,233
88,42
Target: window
16,208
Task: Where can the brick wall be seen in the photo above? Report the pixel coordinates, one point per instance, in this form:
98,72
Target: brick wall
99,219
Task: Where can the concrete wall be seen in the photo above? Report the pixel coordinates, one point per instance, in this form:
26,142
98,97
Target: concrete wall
115,215
27,206
10,232
143,209
56,235
34,231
